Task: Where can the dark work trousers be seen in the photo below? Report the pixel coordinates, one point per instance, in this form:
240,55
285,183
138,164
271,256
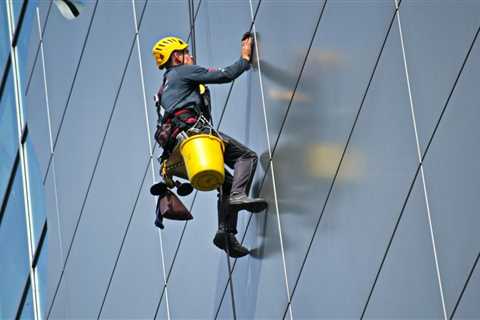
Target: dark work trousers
243,161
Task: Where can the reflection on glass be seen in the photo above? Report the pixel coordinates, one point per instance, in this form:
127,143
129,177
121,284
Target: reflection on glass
36,192
27,310
41,271
8,133
13,251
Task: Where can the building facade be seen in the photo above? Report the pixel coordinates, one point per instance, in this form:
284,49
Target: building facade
364,115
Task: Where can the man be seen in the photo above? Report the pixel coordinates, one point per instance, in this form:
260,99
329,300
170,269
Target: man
183,102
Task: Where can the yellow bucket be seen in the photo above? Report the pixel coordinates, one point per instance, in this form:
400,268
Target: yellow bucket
203,157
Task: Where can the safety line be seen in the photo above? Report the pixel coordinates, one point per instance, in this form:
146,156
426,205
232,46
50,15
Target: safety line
71,86
464,287
427,202
98,157
150,148
418,170
166,277
44,27
347,144
92,176
267,130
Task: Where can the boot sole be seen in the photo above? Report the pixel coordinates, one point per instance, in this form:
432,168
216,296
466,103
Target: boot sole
253,207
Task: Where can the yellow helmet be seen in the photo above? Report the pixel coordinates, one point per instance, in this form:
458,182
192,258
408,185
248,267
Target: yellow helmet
164,48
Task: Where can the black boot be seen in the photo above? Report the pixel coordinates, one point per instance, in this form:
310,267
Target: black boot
226,241
241,201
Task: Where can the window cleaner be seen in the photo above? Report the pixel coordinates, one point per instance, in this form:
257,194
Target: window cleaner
184,111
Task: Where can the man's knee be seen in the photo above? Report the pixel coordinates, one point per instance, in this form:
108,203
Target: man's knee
252,156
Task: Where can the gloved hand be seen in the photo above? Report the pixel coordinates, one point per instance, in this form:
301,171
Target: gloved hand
247,41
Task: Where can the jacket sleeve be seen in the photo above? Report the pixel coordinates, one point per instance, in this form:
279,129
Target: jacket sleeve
228,74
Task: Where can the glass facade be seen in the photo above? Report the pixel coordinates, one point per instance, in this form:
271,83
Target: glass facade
14,264
364,117
22,206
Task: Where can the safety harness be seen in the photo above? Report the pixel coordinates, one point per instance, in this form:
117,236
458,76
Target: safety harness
174,122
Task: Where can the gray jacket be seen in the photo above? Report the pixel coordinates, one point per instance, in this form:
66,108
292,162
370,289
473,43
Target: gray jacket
180,84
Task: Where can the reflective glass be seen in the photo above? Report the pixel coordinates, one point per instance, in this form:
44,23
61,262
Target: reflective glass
63,40
452,172
17,7
408,276
35,110
469,308
27,311
42,277
4,37
28,44
139,266
367,197
8,133
37,193
13,251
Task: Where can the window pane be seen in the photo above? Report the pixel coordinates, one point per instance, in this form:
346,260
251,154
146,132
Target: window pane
27,311
13,251
42,278
36,192
27,43
8,133
17,7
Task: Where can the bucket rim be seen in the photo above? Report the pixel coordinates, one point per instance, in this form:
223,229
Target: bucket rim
202,135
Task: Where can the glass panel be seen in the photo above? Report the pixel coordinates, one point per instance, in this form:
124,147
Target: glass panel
282,48
42,277
28,45
4,37
469,308
27,311
8,132
408,276
452,172
326,101
35,107
67,36
113,191
13,251
138,269
437,35
17,7
368,195
91,104
37,193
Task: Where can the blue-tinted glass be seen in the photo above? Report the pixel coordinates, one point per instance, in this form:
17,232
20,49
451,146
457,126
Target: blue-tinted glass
13,251
8,133
26,48
27,311
42,278
4,38
17,7
36,192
